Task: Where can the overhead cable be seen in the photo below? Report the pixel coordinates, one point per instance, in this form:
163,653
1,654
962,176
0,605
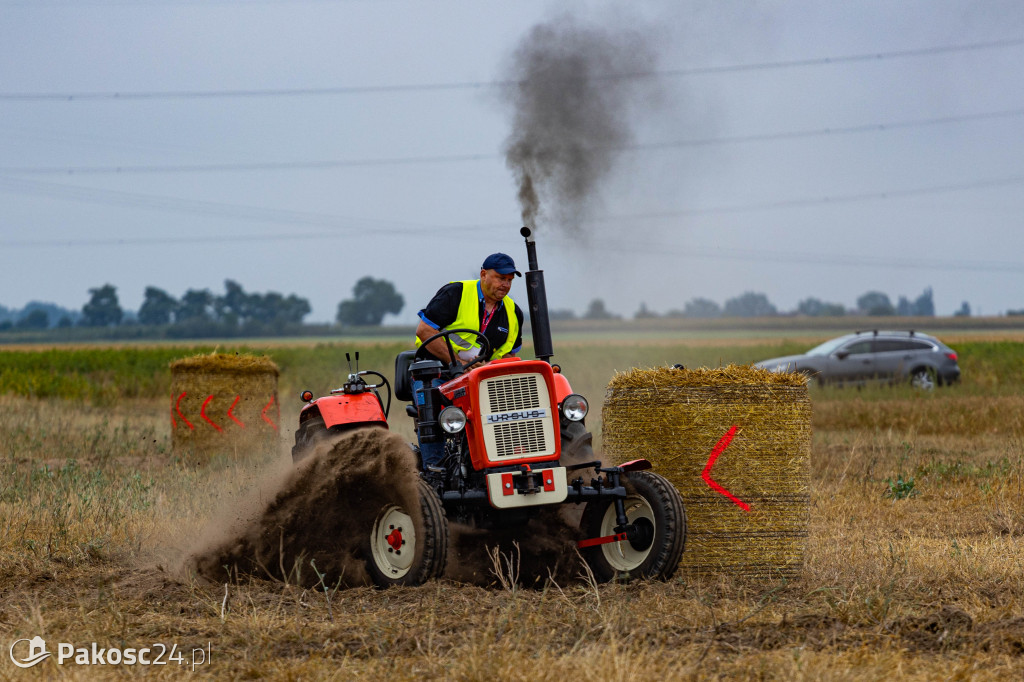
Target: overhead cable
477,85
124,169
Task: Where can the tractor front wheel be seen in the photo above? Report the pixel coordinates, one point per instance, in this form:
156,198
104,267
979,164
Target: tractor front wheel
404,552
653,506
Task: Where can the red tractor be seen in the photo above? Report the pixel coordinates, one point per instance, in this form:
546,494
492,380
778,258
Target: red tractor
515,443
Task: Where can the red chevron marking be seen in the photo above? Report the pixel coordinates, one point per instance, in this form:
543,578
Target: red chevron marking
202,413
233,417
177,408
719,448
263,413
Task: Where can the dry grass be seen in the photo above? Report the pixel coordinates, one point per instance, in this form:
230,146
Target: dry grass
913,566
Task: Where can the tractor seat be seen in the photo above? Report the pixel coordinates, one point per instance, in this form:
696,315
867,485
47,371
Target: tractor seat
403,380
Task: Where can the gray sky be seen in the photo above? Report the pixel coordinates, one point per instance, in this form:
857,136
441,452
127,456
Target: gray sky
795,148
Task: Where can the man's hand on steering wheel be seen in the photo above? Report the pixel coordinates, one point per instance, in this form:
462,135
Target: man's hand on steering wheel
456,367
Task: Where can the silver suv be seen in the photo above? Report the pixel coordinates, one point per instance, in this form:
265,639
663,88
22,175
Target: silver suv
865,356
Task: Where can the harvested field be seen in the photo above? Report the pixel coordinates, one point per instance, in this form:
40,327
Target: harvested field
912,569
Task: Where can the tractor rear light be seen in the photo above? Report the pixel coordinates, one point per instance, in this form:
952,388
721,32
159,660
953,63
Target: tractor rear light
306,396
452,419
574,407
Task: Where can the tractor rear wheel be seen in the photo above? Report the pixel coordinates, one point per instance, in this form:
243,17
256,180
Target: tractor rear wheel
403,552
307,436
655,508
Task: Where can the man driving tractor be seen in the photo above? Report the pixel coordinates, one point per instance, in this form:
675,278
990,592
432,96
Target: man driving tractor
482,305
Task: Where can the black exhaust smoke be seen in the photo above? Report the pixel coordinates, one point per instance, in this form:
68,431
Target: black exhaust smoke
538,301
577,89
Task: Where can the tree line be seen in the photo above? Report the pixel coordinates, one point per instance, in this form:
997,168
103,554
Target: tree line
754,304
201,313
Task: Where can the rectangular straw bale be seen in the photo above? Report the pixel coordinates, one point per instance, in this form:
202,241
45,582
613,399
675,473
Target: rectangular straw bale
676,417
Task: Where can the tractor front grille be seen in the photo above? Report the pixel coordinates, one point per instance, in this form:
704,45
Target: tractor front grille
517,417
519,440
513,393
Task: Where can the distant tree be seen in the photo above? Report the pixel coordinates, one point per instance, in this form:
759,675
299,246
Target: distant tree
371,300
964,311
749,304
562,314
597,311
924,305
644,313
6,325
276,310
37,319
235,306
701,308
64,322
103,309
158,307
196,306
875,303
813,307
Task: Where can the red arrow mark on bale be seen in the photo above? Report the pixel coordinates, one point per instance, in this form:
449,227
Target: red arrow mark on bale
174,422
233,417
263,413
177,408
202,413
719,448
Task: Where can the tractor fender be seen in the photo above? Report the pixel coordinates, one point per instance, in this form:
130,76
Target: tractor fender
359,408
562,387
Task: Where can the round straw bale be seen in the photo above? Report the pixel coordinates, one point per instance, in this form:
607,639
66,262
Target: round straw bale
736,443
223,404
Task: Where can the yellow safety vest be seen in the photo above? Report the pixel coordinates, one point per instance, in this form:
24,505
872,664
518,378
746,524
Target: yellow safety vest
468,317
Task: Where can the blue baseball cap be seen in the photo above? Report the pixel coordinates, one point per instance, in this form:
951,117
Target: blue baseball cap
501,263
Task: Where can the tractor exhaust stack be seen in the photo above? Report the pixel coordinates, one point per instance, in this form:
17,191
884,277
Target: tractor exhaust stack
538,301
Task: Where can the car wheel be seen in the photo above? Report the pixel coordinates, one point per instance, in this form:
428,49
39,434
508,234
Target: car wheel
924,378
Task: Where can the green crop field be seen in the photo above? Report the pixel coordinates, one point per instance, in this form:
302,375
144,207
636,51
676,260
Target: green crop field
914,568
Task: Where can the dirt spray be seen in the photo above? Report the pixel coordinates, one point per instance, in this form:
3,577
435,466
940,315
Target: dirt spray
322,512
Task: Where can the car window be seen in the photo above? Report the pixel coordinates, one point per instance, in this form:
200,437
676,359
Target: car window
828,346
858,347
918,345
890,345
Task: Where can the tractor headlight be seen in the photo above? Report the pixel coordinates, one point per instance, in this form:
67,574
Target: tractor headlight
575,407
452,419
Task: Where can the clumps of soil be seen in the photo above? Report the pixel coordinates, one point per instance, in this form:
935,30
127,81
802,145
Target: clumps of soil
530,556
946,629
321,515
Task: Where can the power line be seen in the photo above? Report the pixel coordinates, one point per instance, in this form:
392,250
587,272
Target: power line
200,207
807,258
467,158
343,226
478,85
241,212
643,248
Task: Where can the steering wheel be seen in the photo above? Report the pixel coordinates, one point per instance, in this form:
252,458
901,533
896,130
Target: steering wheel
455,367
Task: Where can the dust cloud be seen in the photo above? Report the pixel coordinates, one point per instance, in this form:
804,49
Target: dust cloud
575,92
322,511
